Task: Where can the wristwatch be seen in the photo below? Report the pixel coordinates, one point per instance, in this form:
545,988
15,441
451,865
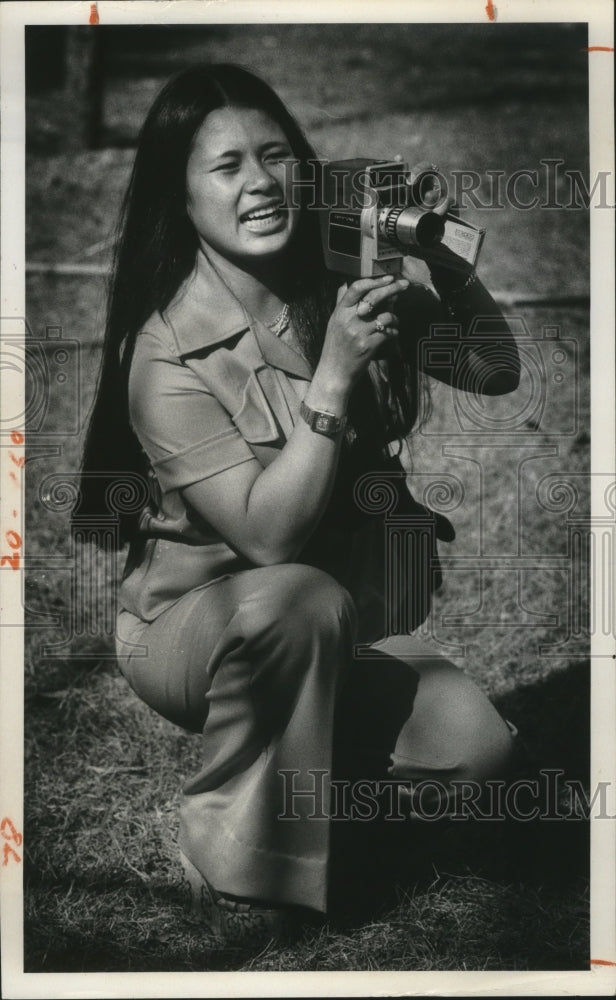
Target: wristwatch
322,422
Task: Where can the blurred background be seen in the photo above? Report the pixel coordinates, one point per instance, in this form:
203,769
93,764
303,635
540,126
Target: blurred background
460,95
103,774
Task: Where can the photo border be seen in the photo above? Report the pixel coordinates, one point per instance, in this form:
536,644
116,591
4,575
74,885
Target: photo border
601,976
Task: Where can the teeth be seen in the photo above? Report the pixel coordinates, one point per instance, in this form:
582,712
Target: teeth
262,213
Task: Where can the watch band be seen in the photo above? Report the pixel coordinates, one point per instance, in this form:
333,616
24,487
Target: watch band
322,422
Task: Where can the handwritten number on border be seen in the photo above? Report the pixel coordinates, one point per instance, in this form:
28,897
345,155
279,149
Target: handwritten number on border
8,832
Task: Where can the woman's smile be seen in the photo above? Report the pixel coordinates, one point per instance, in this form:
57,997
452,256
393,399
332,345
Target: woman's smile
263,220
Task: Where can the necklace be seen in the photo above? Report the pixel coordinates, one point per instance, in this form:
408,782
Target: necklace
282,320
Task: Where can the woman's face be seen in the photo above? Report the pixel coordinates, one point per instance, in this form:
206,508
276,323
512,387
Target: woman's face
238,184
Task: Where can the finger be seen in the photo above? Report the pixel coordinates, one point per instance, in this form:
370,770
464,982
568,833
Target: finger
340,293
364,307
383,321
376,297
379,336
359,288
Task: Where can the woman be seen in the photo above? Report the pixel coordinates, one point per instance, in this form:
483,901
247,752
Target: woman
253,390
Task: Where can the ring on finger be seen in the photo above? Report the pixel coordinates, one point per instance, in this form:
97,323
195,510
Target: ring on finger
365,302
379,327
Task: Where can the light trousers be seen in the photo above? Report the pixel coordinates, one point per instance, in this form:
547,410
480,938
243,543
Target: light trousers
262,662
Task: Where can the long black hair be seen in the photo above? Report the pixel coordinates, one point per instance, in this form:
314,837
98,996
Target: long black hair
155,252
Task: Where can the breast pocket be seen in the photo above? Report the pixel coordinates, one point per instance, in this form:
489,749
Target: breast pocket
263,417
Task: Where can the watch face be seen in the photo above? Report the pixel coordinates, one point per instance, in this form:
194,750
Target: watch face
322,422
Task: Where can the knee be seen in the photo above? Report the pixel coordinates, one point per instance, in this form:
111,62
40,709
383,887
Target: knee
298,623
321,600
298,630
485,743
301,601
454,730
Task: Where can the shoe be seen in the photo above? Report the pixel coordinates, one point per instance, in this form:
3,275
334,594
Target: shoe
235,921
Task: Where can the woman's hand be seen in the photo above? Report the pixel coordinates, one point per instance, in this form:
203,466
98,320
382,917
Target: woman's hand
360,323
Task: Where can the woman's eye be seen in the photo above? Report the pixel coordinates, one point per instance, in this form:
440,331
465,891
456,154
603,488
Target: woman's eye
228,167
277,156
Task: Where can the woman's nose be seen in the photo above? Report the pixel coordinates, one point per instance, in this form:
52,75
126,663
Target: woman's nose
259,177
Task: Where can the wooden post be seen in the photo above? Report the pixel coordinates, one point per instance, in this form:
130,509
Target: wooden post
84,87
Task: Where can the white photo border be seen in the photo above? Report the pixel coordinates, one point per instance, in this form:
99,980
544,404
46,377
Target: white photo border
600,979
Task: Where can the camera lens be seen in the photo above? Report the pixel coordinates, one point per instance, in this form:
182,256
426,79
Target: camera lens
429,229
413,227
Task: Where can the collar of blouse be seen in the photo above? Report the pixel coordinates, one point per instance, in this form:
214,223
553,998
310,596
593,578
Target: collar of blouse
206,313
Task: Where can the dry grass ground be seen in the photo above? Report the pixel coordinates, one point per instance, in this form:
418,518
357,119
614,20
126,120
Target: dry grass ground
102,772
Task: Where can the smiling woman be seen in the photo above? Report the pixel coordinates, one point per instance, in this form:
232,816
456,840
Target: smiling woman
253,391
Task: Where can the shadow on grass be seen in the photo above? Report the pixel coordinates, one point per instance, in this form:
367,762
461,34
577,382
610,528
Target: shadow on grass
370,870
119,925
544,844
553,717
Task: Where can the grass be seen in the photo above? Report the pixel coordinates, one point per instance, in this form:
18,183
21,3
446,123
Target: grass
103,774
